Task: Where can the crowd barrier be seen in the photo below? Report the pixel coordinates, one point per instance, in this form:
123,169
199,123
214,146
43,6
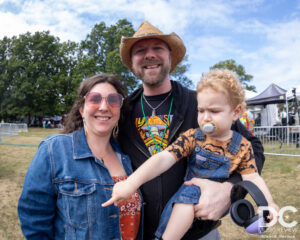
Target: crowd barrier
279,140
12,129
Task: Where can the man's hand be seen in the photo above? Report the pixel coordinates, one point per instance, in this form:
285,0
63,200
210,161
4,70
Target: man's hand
121,191
214,200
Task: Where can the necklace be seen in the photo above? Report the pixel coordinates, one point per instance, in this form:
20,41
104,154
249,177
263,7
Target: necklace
154,108
157,148
101,158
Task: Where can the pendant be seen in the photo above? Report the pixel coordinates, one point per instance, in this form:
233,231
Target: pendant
153,112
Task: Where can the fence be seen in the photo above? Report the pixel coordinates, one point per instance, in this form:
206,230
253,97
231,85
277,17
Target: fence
12,129
279,140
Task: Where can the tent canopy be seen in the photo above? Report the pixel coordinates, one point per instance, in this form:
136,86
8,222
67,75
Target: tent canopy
273,94
249,94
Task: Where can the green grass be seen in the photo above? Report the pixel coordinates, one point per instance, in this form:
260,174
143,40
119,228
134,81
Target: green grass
281,174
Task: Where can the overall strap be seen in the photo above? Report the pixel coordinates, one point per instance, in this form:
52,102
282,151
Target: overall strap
199,135
234,145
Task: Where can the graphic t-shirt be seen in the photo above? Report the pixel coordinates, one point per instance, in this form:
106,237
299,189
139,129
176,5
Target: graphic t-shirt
154,130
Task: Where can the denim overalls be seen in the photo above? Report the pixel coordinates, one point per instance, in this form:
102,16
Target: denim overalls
201,164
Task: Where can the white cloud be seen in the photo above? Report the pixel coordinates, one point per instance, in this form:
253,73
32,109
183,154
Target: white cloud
212,30
278,60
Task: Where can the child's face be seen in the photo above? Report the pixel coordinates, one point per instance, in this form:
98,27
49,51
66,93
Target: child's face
214,106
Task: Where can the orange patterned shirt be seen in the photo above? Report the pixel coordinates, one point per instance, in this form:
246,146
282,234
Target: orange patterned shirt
130,214
243,162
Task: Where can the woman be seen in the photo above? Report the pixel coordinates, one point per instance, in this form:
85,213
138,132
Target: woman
73,173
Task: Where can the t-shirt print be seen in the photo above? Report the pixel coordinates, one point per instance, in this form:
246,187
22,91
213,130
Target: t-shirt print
157,125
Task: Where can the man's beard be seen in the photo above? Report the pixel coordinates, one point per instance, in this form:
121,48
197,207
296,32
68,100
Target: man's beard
148,79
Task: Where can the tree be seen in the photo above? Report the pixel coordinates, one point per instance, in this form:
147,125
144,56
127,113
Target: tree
68,77
239,70
41,75
5,53
101,50
180,70
34,66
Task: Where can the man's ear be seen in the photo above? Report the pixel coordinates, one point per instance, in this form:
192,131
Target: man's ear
237,113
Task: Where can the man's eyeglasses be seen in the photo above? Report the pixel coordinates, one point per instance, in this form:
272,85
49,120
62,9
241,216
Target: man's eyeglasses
94,99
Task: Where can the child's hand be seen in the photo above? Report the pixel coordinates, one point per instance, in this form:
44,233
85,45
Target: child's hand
121,191
275,207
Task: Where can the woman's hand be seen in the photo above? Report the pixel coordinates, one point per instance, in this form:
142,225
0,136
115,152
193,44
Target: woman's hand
121,191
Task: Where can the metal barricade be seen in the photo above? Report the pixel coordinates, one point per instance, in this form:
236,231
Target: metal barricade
11,129
279,140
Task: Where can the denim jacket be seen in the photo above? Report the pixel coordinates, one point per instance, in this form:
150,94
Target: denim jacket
63,191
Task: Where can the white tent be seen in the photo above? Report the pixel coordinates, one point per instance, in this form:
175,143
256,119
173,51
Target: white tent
269,115
249,94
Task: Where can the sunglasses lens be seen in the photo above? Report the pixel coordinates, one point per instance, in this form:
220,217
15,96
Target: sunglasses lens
94,98
114,100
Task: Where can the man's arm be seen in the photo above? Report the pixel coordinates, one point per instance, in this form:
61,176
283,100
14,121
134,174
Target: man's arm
214,200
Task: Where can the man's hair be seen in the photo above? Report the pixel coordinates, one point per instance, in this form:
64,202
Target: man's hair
225,81
74,119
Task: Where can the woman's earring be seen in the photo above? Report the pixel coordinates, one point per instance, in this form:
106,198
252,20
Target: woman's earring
83,122
115,131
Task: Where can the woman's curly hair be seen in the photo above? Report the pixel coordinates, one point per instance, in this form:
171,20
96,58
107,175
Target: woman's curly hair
225,81
74,120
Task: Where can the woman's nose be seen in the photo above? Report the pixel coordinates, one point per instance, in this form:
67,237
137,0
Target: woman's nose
103,104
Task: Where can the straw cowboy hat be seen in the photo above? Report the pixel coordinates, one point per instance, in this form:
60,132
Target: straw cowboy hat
146,30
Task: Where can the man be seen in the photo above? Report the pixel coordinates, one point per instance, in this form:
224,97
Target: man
283,117
159,112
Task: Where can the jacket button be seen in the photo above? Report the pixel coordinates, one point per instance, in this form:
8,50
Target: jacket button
197,149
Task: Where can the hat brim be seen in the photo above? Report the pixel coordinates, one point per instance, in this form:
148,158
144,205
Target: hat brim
177,48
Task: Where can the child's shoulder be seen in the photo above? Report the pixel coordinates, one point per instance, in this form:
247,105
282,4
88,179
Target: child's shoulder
190,132
244,141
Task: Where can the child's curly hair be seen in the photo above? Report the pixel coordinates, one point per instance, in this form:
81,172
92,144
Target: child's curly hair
226,81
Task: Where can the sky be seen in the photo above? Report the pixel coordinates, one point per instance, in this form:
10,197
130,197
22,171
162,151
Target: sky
261,35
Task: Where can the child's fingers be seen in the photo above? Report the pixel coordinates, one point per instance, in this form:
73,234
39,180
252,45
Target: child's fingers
109,202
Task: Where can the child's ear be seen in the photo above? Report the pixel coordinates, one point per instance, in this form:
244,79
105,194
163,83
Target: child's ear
237,113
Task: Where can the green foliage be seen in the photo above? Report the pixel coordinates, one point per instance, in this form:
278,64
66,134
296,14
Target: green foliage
239,69
39,75
180,70
102,45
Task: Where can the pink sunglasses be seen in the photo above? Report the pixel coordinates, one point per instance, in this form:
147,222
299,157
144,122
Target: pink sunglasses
94,99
